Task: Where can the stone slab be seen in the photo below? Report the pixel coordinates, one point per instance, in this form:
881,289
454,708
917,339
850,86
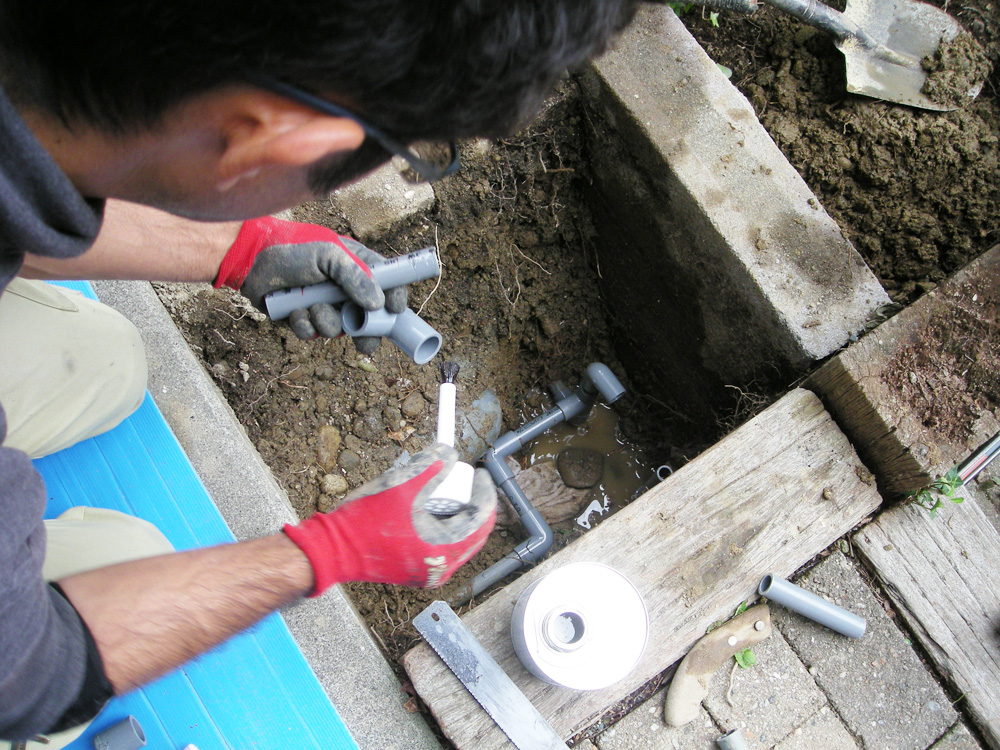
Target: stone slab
644,729
821,730
768,701
877,683
957,738
381,202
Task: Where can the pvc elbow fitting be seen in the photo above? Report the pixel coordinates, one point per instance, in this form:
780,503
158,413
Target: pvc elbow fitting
809,605
408,331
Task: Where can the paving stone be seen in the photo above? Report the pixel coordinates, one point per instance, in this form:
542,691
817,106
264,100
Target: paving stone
822,730
958,738
876,683
382,201
645,729
767,701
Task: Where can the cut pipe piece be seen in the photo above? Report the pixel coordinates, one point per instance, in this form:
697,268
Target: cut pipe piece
809,605
405,269
125,735
407,330
732,740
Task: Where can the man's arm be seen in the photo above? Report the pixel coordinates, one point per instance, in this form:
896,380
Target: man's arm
138,242
149,616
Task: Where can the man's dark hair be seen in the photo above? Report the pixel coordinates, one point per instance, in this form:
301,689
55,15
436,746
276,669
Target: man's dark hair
419,70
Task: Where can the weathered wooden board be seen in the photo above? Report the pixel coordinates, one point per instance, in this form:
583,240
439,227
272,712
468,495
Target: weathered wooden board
943,575
765,499
913,396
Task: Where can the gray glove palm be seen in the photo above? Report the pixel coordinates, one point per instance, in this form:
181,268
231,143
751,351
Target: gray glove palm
270,255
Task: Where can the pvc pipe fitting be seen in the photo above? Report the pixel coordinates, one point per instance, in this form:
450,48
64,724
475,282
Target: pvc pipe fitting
732,740
405,269
408,331
125,735
809,605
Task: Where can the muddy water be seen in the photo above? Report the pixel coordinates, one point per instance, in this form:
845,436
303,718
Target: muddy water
626,469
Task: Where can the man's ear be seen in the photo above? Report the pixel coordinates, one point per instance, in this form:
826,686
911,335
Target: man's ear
261,129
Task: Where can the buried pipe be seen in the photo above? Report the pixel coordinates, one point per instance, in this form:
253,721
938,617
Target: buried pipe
570,406
809,605
407,330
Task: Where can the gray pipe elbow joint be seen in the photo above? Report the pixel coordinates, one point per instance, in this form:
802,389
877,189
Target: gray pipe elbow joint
407,330
601,377
809,605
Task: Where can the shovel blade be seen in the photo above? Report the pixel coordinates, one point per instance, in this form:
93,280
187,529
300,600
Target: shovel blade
909,29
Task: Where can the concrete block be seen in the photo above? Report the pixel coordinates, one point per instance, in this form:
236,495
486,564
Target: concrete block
644,729
877,683
822,730
767,701
704,222
381,202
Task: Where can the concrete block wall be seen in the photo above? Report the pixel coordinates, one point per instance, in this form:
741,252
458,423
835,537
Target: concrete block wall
716,258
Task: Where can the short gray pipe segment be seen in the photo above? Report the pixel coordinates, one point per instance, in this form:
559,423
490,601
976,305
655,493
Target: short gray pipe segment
809,605
599,380
732,740
407,330
405,269
125,735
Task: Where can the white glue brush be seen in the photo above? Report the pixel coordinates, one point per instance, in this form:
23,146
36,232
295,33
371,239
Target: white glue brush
455,490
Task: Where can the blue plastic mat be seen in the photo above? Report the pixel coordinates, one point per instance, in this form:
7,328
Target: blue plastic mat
254,692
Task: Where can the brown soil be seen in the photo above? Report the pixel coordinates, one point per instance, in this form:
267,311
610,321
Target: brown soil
918,193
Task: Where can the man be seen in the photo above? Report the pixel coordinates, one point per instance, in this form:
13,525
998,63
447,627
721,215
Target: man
145,140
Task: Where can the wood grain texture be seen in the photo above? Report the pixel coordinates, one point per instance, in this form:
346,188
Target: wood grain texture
763,500
883,408
943,575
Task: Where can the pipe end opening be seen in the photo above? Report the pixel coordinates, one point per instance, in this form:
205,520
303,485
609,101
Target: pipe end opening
765,584
352,319
427,350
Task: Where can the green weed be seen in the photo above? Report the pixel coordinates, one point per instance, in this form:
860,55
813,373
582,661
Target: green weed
932,497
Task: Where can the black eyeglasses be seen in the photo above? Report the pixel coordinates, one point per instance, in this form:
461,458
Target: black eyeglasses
427,170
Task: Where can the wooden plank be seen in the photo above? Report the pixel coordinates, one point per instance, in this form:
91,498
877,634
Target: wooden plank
943,575
911,395
763,500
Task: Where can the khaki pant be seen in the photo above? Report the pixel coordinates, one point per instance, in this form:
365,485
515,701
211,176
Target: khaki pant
72,368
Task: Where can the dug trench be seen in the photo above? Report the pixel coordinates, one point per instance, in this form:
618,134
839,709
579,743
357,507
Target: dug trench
524,299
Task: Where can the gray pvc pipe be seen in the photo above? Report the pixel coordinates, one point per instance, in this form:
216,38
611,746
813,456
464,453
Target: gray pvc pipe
598,380
407,330
809,605
125,735
732,740
405,269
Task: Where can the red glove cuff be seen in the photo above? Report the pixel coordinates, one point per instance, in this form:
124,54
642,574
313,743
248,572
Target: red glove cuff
259,234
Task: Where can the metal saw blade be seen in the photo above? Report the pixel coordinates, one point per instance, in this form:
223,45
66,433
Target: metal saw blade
485,679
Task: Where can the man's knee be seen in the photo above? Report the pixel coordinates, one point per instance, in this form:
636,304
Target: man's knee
77,367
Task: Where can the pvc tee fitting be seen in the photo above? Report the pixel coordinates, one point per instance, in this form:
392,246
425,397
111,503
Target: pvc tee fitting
408,331
809,605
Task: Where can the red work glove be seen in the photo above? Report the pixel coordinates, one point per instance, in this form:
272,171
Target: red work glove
383,532
270,254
